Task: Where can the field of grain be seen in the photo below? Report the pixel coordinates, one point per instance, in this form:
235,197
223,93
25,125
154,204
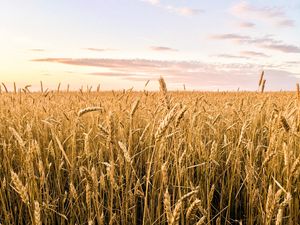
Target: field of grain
147,158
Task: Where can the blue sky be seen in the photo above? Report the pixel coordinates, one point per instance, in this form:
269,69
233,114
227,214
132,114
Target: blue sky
206,45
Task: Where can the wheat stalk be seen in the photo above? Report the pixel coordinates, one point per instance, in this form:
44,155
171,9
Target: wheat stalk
167,206
285,124
298,91
87,110
263,86
176,213
201,221
165,123
134,107
164,91
73,192
180,116
125,152
17,136
6,90
192,208
37,213
164,174
261,78
20,188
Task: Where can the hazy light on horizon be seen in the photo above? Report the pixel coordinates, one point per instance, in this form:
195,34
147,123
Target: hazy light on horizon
122,44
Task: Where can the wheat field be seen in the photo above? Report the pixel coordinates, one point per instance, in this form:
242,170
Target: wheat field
125,157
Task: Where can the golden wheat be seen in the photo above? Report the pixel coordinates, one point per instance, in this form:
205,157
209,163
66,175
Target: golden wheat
193,158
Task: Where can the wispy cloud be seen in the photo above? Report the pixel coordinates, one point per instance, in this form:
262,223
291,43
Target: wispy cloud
246,25
184,10
283,48
37,50
198,74
232,56
153,2
162,48
293,62
269,12
253,54
232,37
244,55
266,42
114,74
100,49
285,23
275,15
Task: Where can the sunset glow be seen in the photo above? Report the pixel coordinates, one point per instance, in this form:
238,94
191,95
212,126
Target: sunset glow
215,45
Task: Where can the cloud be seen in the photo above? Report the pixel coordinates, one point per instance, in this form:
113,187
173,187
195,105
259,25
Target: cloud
233,37
186,11
253,54
183,11
120,64
37,50
283,48
269,12
285,23
275,15
232,56
153,2
246,25
99,49
293,62
198,75
266,42
162,48
126,76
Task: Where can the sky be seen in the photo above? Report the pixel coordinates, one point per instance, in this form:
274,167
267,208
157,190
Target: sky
120,44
